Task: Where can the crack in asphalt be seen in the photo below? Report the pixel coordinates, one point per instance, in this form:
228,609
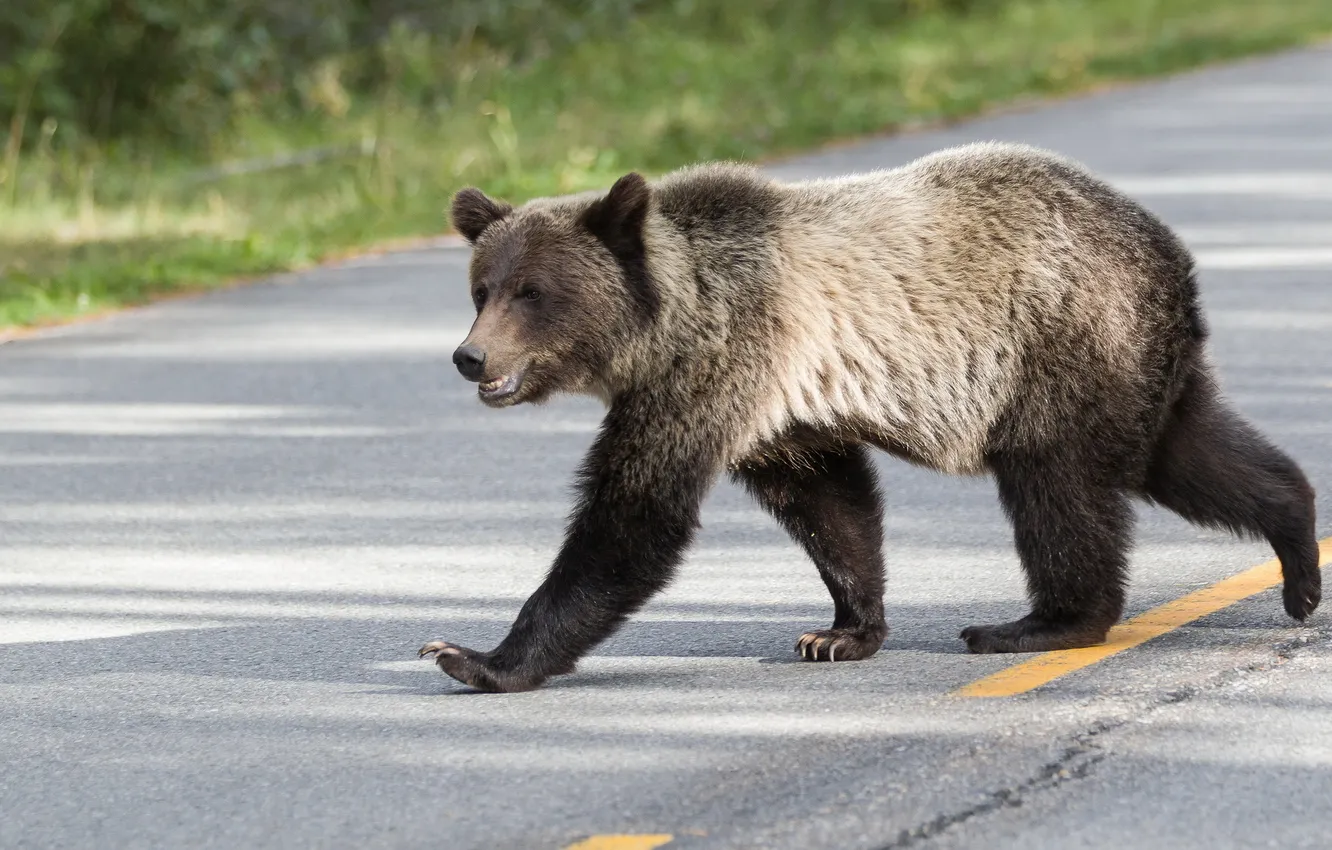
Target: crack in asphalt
1084,752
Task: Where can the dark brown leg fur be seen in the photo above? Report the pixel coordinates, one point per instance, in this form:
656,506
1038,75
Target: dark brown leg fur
1216,470
828,502
636,515
1072,535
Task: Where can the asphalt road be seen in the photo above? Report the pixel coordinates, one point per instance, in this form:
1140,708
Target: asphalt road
228,523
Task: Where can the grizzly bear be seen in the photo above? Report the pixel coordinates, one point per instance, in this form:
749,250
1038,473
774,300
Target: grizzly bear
989,309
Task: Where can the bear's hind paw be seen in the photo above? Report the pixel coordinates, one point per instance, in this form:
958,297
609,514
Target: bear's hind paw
1034,634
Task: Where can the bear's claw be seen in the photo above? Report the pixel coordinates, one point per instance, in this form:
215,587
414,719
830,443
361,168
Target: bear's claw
438,647
832,644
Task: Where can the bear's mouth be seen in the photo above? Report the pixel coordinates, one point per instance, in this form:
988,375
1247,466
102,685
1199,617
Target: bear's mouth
501,388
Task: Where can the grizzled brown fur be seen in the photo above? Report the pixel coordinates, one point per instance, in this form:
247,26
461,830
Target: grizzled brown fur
990,309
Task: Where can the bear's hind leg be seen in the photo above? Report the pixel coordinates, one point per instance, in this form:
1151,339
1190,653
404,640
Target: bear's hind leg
828,501
1072,535
1216,470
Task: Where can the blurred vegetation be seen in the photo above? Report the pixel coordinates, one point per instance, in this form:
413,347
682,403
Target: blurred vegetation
151,145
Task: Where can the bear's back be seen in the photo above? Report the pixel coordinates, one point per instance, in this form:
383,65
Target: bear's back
922,301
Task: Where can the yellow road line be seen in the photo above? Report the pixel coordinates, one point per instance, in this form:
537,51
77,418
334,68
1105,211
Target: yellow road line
621,842
1048,666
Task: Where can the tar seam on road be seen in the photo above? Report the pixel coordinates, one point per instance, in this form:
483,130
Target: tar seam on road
1084,751
1049,666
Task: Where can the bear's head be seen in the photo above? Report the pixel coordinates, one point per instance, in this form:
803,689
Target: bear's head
560,285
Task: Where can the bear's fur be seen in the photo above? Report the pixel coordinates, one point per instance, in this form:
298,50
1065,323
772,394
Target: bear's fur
986,309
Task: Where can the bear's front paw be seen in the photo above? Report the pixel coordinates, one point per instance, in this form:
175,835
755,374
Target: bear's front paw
475,669
839,644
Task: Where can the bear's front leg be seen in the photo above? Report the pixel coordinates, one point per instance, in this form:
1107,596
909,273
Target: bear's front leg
640,492
828,501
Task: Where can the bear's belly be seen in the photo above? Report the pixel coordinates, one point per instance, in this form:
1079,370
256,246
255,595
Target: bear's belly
946,429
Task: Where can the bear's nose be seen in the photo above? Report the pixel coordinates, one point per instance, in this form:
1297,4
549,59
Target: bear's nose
471,361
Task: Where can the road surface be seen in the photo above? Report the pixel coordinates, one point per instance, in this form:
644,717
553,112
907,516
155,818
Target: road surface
228,522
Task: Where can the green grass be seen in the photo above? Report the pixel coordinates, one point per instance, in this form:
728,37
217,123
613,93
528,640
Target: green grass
87,233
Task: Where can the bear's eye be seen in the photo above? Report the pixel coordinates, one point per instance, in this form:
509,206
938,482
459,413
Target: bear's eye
532,295
479,296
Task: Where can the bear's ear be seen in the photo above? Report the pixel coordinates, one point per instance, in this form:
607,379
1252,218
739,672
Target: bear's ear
618,218
473,212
